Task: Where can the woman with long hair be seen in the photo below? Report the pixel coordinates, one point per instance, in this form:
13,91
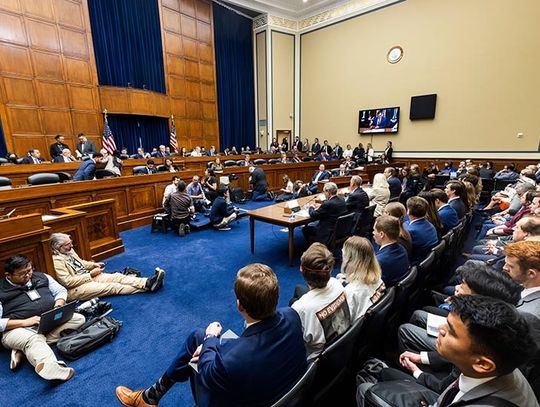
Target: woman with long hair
432,214
362,274
168,163
370,153
287,190
398,210
210,184
216,165
379,194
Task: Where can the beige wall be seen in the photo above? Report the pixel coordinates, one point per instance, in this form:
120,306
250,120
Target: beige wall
282,81
481,58
261,89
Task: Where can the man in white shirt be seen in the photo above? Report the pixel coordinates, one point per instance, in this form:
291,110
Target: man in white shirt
196,152
169,189
65,157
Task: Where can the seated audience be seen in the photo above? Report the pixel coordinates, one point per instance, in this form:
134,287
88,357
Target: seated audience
287,190
379,193
257,368
296,159
447,169
283,159
349,163
398,211
222,214
247,161
180,206
24,295
323,310
169,166
320,175
33,157
432,214
141,154
508,173
87,279
358,199
169,189
216,165
361,274
506,228
447,214
457,197
87,169
196,192
394,184
392,256
325,215
486,170
423,233
65,157
413,183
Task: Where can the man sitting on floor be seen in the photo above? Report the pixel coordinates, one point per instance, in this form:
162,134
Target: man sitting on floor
196,192
222,214
255,369
180,206
24,296
87,279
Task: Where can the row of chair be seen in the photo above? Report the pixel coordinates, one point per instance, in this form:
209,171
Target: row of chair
258,161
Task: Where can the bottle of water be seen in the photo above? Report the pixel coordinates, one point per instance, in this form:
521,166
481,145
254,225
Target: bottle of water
292,217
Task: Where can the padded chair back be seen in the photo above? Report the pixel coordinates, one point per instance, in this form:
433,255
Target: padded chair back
259,161
301,393
372,334
209,164
344,228
133,156
104,174
3,160
365,224
425,268
229,163
441,180
240,163
336,359
139,169
5,183
64,176
306,158
43,178
404,288
488,184
161,168
500,184
273,161
20,160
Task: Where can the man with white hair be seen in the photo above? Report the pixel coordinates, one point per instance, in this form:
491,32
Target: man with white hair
87,279
65,157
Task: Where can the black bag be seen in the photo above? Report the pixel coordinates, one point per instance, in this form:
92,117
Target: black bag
238,195
130,271
91,335
399,393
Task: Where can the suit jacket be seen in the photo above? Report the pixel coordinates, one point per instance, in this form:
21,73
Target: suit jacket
424,238
449,217
255,369
327,215
357,201
338,152
325,175
512,387
530,304
394,263
60,159
394,184
315,148
298,145
335,173
388,153
56,149
88,147
86,171
30,160
459,207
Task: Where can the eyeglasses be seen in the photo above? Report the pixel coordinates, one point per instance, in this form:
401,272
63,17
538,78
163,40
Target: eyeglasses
26,273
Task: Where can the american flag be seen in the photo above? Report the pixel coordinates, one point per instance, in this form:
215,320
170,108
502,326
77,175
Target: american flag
172,139
108,139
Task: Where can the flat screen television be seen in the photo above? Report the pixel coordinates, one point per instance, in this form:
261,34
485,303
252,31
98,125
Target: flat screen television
423,107
382,120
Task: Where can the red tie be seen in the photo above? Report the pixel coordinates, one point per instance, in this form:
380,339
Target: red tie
450,395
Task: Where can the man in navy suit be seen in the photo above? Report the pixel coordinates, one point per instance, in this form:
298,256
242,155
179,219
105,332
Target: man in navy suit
455,190
358,199
394,184
33,157
316,147
423,233
380,121
392,256
326,215
87,169
255,369
320,175
448,215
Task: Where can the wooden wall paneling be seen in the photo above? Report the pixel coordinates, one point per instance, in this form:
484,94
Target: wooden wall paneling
52,94
206,52
140,101
209,111
178,108
175,65
195,128
70,13
19,91
141,199
162,105
172,4
189,26
11,5
120,201
204,32
206,72
40,9
74,43
60,202
193,109
193,90
78,71
171,20
12,28
188,7
88,123
47,65
43,35
114,99
190,48
72,223
173,43
192,69
15,60
208,92
24,120
83,97
203,11
177,86
57,122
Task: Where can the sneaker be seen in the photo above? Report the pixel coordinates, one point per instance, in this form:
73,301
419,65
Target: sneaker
16,359
187,229
155,282
54,371
182,230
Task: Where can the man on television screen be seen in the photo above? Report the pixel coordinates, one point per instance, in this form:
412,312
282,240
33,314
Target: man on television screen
380,121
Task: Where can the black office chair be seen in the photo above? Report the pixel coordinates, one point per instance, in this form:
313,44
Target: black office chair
139,170
345,227
209,164
335,362
3,160
161,168
240,163
394,199
426,267
20,160
100,174
488,184
500,184
259,161
64,176
273,161
5,183
302,393
366,221
404,288
133,156
306,159
438,276
229,163
43,178
440,181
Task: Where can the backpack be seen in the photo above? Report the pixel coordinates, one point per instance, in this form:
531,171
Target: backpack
238,195
91,335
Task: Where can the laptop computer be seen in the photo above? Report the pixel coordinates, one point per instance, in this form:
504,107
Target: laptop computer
56,317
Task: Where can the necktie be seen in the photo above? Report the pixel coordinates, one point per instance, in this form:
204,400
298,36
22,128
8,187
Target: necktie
450,395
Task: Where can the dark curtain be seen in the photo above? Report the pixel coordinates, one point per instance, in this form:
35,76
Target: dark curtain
3,148
130,130
127,43
233,36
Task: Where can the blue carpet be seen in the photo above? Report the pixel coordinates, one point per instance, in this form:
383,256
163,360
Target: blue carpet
200,268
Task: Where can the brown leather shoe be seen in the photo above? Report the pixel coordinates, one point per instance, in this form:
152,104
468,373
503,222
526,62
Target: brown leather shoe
131,398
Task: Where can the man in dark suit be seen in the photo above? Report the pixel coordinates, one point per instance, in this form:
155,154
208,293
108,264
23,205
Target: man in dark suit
254,369
392,256
326,214
297,143
342,171
380,121
358,199
423,233
320,175
326,148
58,146
65,157
455,190
260,184
447,214
315,147
338,151
87,169
33,157
222,214
394,184
85,147
150,167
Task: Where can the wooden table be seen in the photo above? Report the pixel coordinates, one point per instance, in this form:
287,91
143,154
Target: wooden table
275,215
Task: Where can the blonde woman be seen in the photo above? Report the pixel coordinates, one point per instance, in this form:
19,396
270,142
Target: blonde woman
362,273
398,210
379,193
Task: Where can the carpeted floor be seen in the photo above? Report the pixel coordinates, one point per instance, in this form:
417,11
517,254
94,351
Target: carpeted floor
200,268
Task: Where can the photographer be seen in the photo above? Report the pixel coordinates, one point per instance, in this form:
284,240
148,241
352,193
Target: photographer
222,214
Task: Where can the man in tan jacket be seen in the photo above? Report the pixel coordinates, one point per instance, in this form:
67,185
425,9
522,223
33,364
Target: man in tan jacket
87,279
